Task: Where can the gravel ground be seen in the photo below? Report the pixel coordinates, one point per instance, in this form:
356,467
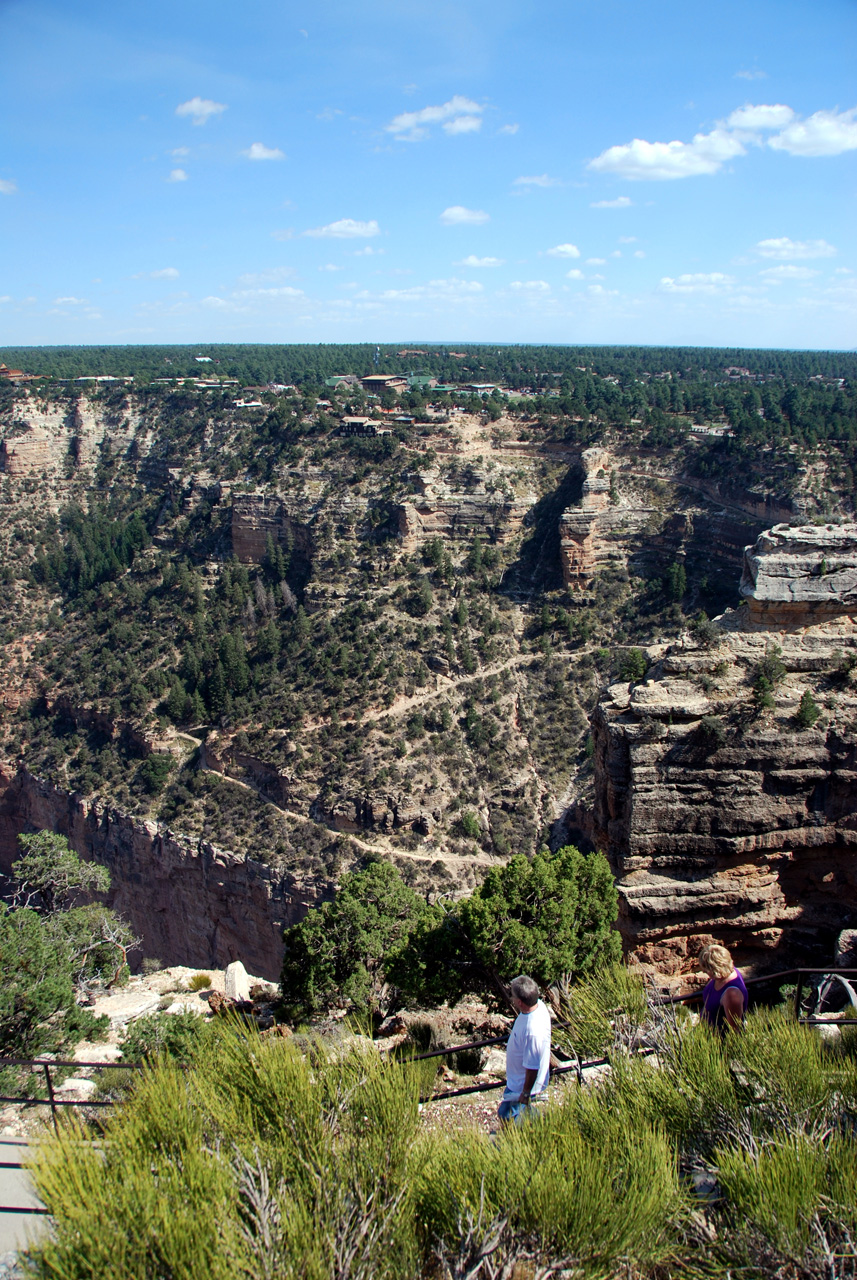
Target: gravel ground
9,1269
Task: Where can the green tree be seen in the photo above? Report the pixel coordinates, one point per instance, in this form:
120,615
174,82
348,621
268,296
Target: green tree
633,665
49,875
675,581
546,916
339,953
808,711
36,994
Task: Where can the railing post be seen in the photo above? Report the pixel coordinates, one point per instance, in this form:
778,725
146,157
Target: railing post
798,991
51,1099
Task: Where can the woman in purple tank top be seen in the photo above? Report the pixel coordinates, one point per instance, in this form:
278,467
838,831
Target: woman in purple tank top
724,998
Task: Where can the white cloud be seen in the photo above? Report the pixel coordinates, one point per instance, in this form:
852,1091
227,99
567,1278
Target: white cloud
69,302
282,291
598,291
751,75
251,278
509,128
258,151
777,274
200,109
761,117
177,175
463,124
621,202
595,262
368,251
285,233
531,286
617,253
329,113
472,261
627,239
563,251
664,161
699,282
783,247
345,229
574,274
827,133
166,273
456,216
214,304
411,126
538,180
435,289
178,152
330,266
7,187
638,253
7,297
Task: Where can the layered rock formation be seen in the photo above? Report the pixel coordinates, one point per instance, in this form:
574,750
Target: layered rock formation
594,533
439,510
797,575
190,902
725,822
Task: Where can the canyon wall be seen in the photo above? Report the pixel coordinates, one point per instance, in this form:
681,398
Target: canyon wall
727,821
190,902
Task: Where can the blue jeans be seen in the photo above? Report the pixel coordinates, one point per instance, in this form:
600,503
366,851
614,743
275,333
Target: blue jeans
519,1111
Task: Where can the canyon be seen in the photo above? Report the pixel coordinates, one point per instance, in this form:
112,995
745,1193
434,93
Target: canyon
720,820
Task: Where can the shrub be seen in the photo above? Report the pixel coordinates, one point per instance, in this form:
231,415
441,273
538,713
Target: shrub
199,982
705,632
155,770
470,825
633,665
185,1037
712,732
808,711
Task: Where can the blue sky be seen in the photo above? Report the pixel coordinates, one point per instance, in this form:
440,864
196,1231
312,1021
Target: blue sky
396,170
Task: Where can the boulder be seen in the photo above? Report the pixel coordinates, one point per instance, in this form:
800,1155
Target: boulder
237,982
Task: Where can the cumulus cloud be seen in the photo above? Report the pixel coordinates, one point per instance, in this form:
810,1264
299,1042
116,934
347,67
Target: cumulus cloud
345,229
200,109
598,291
760,117
627,239
330,266
7,187
214,303
463,124
537,180
7,297
178,152
751,75
457,216
509,129
783,247
435,289
368,251
595,262
698,282
563,251
531,286
665,161
458,115
621,202
258,151
826,133
472,261
166,273
638,253
281,291
778,274
574,274
69,302
265,277
177,175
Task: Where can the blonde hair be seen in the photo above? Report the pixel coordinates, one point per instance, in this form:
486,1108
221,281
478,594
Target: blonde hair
717,960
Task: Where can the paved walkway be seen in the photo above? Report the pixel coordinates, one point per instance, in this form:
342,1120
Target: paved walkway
17,1229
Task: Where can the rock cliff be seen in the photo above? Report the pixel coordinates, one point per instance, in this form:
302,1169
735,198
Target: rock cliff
797,575
190,902
725,820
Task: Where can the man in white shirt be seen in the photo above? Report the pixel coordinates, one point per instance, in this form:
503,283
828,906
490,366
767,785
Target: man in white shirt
528,1051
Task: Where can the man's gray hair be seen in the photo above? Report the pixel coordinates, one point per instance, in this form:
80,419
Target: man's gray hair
525,990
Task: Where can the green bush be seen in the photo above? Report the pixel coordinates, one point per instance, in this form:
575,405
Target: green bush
633,665
808,711
184,1037
199,982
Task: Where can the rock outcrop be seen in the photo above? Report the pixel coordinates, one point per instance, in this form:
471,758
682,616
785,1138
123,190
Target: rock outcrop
795,576
190,902
723,822
258,516
593,533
